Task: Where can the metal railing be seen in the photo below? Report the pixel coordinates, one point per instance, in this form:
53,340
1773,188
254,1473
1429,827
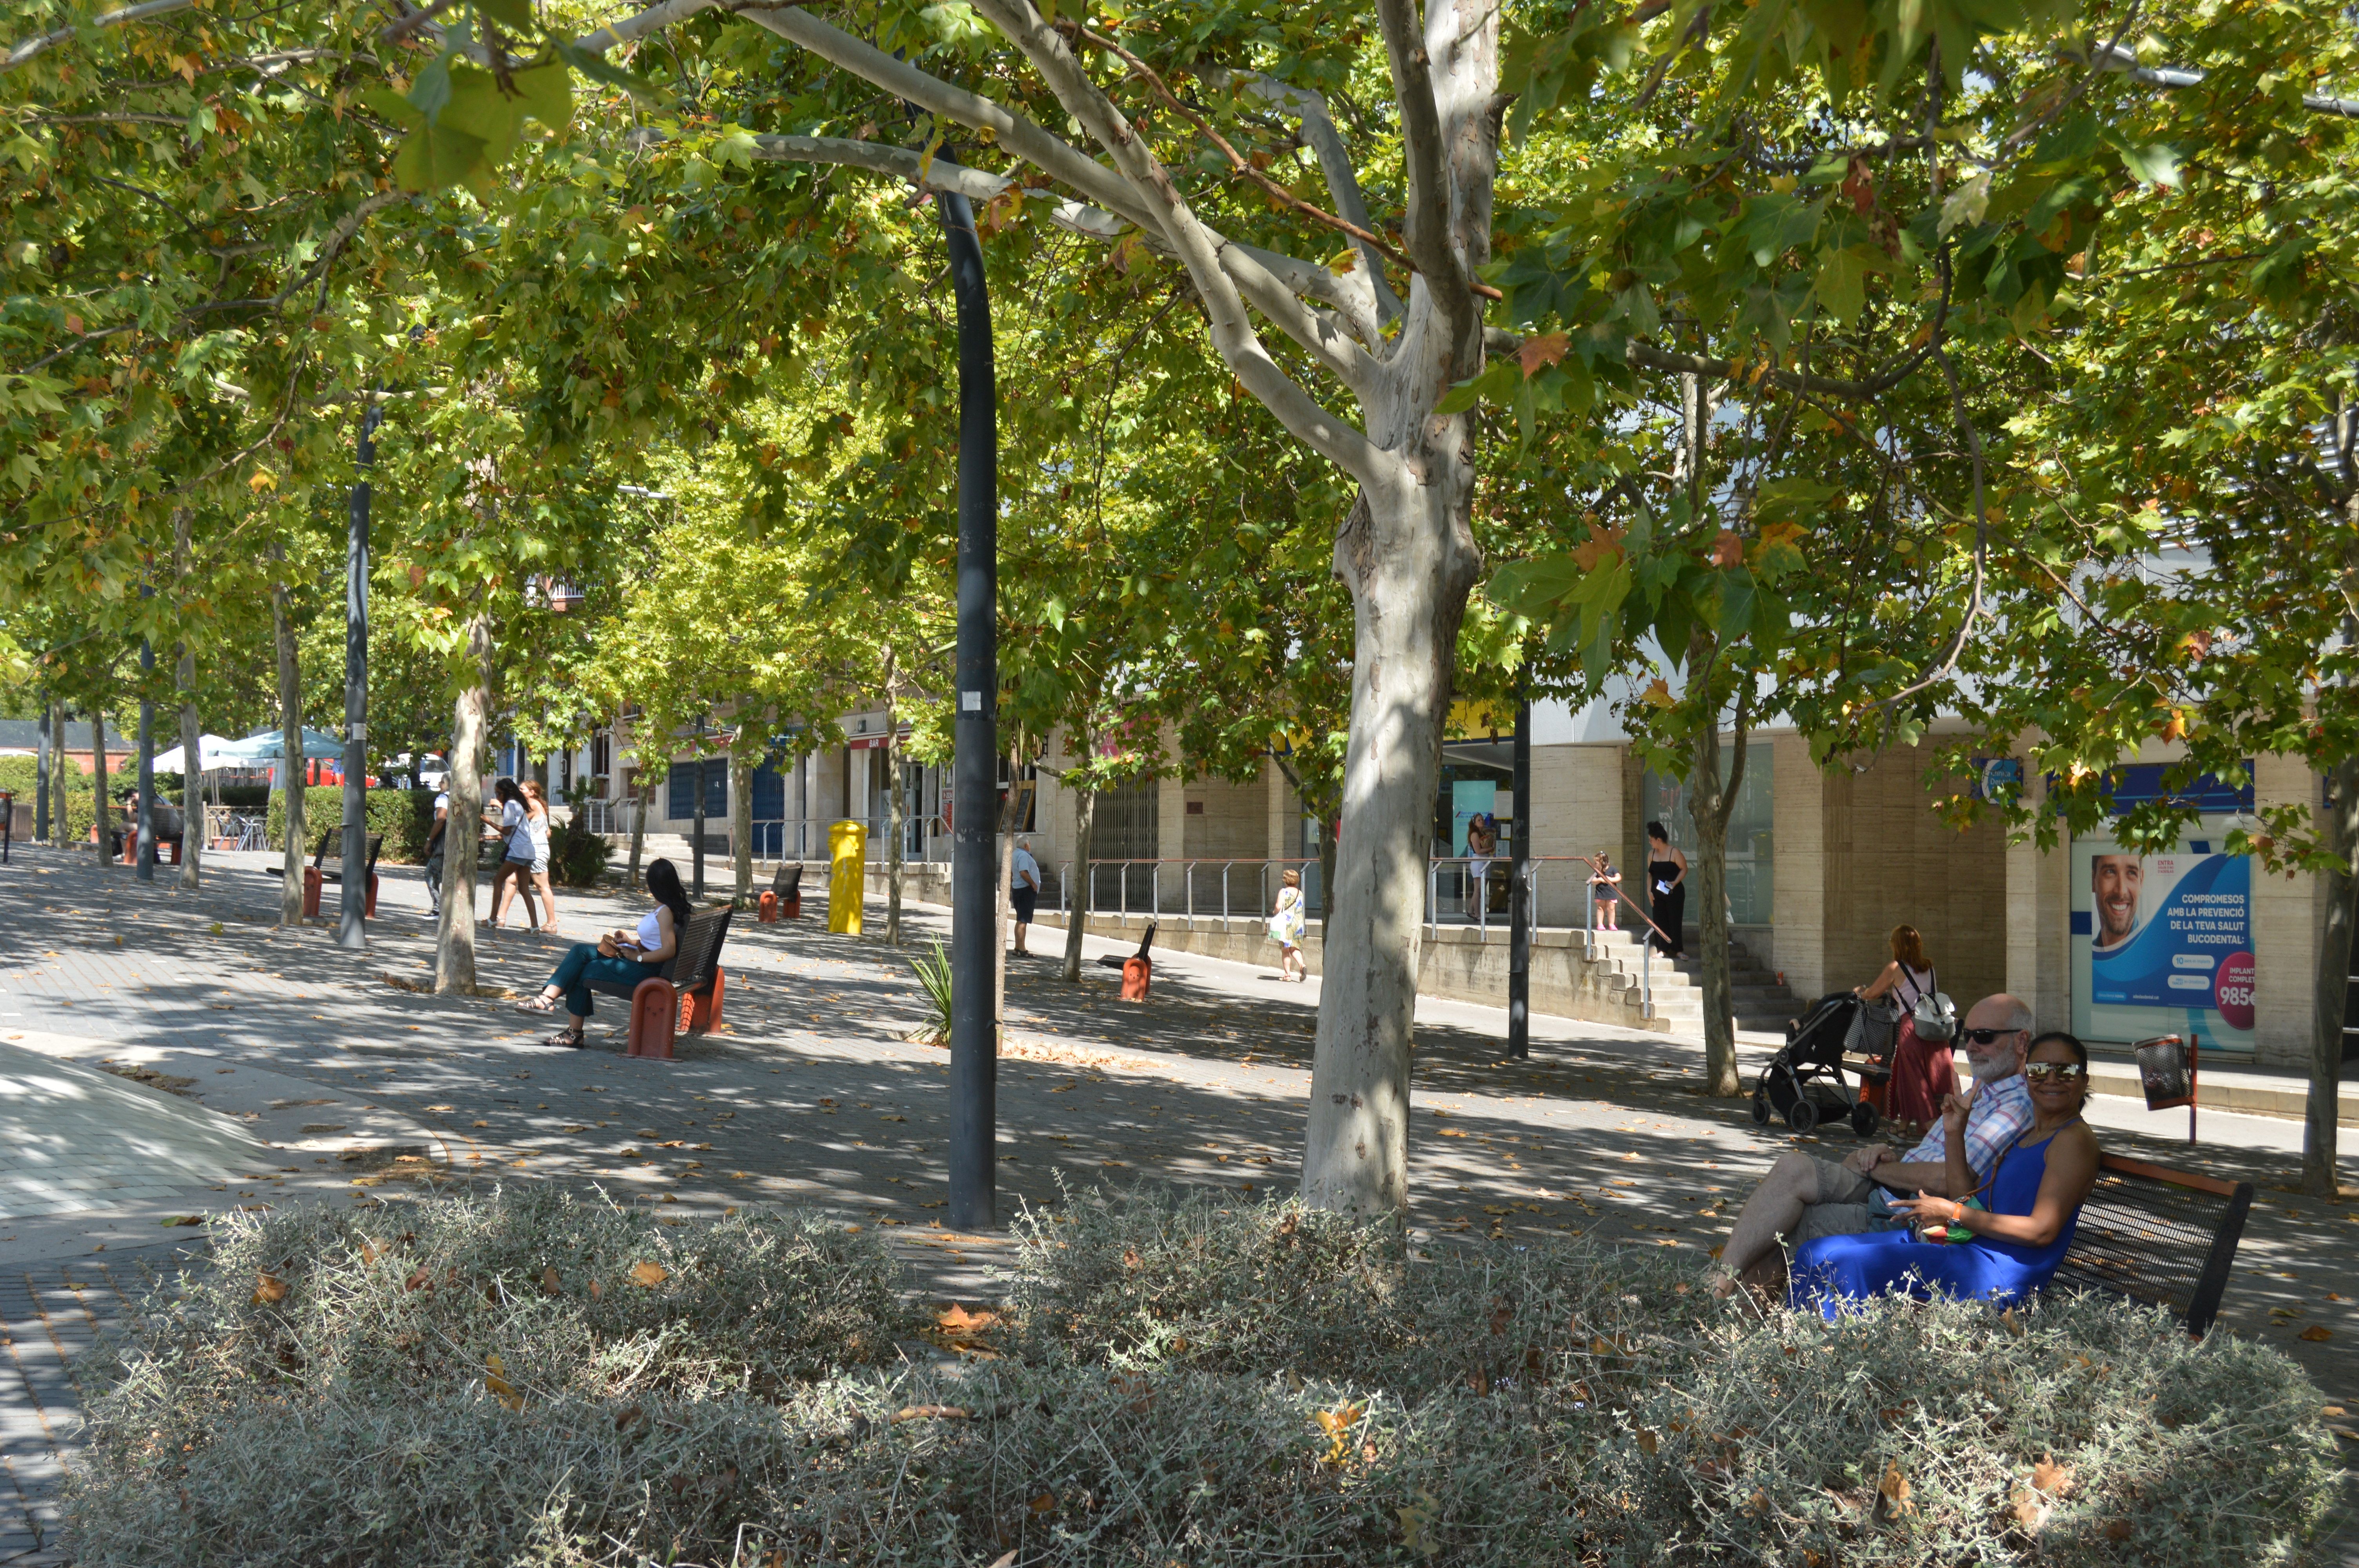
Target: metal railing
805,837
1206,886
1589,928
609,815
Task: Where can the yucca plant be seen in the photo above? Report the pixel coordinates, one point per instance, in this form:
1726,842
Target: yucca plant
933,972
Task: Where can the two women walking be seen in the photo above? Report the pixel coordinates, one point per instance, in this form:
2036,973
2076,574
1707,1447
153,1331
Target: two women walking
523,820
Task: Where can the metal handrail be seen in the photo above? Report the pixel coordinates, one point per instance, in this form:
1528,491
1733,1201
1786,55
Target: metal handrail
1597,863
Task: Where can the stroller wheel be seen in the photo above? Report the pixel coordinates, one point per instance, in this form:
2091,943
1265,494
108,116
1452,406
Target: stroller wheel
1862,1118
1760,1107
1802,1115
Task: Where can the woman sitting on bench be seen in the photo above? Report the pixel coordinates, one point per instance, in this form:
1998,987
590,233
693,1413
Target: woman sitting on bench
1999,1247
619,960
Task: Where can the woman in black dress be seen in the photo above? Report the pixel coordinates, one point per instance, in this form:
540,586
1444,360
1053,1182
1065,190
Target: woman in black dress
1667,889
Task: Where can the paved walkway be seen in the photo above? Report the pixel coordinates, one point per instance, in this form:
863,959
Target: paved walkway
367,1091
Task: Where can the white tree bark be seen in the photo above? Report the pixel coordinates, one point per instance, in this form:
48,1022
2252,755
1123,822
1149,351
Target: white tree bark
290,755
742,756
192,800
454,936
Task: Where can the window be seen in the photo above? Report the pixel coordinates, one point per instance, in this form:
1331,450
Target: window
1665,799
601,754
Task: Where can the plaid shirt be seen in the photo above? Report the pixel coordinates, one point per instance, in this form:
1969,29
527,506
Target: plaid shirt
2001,1111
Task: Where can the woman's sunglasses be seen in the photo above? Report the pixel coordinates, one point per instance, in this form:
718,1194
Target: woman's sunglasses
2063,1072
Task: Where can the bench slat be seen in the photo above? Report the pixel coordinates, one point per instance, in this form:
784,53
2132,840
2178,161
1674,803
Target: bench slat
2160,1236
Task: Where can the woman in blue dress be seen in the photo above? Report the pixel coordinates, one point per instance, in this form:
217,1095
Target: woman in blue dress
2017,1236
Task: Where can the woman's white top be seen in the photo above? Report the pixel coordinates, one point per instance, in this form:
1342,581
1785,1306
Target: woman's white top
1921,983
536,827
650,931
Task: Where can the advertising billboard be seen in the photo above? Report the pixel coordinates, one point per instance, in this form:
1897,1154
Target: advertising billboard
2163,943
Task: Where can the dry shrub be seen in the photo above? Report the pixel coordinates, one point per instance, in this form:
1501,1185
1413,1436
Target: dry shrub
1179,1382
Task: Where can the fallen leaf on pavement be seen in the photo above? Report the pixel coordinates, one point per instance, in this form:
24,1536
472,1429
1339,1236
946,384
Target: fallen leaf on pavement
2317,1332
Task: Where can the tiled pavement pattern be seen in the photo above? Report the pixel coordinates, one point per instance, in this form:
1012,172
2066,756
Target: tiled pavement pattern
1600,1131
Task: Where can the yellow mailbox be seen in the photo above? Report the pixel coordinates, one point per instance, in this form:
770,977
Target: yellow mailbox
847,876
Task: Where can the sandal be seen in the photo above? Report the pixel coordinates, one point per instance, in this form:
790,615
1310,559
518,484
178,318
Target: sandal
573,1039
537,1004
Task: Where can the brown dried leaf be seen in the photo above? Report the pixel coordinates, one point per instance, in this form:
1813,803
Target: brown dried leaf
270,1287
2053,1478
548,1285
2317,1333
649,1273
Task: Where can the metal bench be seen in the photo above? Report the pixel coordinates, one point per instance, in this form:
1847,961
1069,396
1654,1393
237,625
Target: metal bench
684,995
2159,1236
784,900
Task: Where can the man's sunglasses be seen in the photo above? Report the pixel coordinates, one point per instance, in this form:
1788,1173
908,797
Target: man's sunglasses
1990,1036
2064,1072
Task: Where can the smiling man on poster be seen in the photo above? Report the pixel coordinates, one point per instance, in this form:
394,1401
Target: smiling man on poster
2114,883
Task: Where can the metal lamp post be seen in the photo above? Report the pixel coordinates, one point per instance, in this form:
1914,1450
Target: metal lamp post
974,924
1519,899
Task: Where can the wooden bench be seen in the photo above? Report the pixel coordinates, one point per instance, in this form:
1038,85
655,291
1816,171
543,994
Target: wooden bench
784,900
2159,1236
684,995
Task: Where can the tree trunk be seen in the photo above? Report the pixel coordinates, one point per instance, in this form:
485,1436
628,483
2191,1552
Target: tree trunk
57,774
900,810
894,865
1407,553
1712,804
98,780
454,937
741,813
1325,815
643,793
290,756
2322,1112
1078,888
192,799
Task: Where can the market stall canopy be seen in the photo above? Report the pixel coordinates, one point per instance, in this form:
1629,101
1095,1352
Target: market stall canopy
266,746
209,752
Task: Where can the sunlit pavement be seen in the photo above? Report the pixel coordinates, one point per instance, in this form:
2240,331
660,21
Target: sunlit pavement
813,1093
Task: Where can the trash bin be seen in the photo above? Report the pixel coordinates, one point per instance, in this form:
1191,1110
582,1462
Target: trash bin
847,876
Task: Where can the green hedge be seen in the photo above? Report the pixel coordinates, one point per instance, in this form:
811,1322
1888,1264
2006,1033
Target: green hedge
404,816
17,774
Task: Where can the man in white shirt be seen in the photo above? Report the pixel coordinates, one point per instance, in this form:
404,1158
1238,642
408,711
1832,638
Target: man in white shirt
1026,892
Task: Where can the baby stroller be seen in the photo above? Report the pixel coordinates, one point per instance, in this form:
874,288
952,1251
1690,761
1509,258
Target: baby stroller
1794,1084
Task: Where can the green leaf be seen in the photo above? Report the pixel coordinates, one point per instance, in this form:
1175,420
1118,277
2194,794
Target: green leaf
547,94
1737,595
479,109
432,156
597,69
2156,164
515,15
1843,281
432,90
394,107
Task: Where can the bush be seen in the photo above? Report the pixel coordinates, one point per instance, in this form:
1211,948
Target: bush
404,816
1180,1380
577,856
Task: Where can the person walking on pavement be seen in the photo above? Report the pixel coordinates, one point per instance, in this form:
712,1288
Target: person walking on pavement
1286,926
516,861
1025,893
1667,890
1924,1073
537,825
438,839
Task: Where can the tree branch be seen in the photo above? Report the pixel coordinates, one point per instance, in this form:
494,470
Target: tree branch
1198,248
1427,223
1318,129
40,41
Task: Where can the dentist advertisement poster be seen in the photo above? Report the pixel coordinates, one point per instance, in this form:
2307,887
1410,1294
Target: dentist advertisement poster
2163,944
